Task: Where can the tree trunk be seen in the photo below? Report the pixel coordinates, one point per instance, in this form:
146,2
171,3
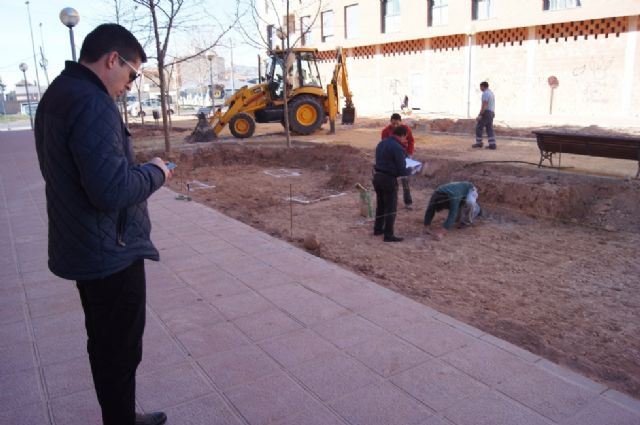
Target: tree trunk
160,52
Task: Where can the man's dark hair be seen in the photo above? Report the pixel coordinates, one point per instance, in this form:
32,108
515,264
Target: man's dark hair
400,131
396,116
107,38
484,84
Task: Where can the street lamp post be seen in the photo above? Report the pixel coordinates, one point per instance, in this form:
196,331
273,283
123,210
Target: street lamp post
33,49
23,67
70,18
210,55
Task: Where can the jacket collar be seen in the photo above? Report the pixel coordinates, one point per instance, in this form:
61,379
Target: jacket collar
77,70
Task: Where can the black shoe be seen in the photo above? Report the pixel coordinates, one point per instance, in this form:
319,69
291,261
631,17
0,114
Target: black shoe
477,145
491,146
378,232
154,418
393,239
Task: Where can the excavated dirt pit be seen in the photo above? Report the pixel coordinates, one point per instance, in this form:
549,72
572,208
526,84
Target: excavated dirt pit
551,266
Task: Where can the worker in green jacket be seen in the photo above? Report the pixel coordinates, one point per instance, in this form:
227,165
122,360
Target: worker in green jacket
460,198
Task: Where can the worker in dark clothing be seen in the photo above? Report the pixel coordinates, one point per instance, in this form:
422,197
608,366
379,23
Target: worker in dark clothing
460,198
409,147
390,164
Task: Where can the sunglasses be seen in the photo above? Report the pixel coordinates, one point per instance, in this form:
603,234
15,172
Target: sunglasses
134,72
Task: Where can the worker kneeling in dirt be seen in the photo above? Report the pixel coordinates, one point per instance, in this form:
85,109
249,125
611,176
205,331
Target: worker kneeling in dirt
390,164
460,198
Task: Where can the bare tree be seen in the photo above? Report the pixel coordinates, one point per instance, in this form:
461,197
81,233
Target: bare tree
254,35
167,16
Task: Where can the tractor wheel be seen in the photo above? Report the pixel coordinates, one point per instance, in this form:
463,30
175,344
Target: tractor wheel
242,125
305,114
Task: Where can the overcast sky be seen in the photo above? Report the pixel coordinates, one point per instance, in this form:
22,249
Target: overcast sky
15,36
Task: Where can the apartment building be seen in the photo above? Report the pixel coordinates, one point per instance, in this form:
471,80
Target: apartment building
572,59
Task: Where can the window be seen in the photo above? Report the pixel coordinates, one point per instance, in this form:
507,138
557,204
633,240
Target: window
438,12
305,31
327,25
289,24
351,21
390,16
560,4
482,9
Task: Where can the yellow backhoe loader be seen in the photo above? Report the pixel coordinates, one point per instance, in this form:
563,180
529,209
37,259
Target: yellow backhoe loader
309,105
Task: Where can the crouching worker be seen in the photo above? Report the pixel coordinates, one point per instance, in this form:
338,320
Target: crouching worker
390,164
460,198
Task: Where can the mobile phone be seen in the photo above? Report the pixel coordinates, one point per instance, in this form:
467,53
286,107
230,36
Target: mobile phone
170,165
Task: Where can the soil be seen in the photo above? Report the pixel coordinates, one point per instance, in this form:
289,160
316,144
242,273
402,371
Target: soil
551,266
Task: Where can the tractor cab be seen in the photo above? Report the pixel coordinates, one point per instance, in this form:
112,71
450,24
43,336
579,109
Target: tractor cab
303,72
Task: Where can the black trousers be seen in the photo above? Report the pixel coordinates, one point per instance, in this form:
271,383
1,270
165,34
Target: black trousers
114,309
406,191
386,187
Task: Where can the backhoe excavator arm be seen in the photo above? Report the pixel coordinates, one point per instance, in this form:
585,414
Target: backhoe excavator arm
340,79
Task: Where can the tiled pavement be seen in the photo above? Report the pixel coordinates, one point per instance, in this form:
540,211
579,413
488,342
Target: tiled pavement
246,329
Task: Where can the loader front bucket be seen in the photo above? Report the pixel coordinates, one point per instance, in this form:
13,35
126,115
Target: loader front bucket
348,115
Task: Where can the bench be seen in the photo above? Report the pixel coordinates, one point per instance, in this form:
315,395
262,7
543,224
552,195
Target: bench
618,147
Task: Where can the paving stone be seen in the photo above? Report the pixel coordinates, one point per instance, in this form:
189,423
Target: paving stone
170,386
238,366
14,333
436,338
271,398
16,357
601,411
393,316
174,298
58,348
348,330
487,363
438,385
388,355
332,376
159,353
312,415
77,409
241,305
492,409
62,323
203,411
267,324
297,347
315,310
380,404
219,337
20,389
41,307
68,377
194,317
34,414
547,394
265,278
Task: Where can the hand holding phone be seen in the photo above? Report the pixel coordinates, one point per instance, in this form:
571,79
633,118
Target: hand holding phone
170,165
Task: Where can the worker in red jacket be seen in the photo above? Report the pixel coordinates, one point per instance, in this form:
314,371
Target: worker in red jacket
396,120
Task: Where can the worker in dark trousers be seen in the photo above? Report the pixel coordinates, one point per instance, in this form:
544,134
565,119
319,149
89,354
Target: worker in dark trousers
390,164
409,147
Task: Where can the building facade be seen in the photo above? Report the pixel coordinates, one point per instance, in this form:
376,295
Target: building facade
577,60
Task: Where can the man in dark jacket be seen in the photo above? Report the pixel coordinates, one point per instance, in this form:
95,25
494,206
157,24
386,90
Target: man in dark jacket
409,147
390,164
99,227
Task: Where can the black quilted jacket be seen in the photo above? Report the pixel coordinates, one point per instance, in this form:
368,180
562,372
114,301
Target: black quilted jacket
96,194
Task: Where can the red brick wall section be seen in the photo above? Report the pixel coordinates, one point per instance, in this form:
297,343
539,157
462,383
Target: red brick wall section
592,27
447,42
403,47
509,36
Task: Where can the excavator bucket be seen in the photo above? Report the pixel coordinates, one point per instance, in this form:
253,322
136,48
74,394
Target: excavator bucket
348,115
203,131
